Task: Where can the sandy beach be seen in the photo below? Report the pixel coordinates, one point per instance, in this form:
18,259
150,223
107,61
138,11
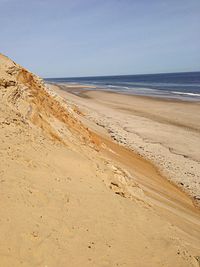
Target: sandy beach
165,131
85,181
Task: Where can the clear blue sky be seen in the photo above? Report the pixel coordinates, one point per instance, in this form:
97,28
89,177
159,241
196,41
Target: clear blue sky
66,38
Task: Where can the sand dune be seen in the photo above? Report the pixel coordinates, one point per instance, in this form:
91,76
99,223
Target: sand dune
69,195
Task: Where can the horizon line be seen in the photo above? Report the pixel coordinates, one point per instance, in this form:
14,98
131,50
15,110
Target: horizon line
116,75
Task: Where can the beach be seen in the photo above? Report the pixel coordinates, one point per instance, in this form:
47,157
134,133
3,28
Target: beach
165,131
85,181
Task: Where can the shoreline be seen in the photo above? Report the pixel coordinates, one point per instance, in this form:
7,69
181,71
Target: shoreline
181,181
81,89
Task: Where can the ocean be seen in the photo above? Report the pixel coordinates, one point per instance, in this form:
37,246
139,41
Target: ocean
185,85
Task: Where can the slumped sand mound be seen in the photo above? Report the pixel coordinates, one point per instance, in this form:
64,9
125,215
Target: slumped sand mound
66,197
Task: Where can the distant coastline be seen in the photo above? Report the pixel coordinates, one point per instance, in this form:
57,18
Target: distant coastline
184,85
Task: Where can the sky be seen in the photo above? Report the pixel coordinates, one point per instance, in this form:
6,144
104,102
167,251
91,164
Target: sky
69,38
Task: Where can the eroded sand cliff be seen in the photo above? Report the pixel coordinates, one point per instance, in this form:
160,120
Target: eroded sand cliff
67,198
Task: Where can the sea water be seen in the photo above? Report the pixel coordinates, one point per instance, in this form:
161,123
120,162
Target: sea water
185,85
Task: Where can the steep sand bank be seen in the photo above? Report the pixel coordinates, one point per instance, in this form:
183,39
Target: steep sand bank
70,197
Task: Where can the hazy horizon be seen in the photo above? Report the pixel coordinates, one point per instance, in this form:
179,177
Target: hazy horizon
101,38
136,74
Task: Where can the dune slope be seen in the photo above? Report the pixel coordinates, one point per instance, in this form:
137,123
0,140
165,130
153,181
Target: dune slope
66,203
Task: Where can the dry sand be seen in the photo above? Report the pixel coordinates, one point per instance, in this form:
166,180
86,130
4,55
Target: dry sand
70,196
